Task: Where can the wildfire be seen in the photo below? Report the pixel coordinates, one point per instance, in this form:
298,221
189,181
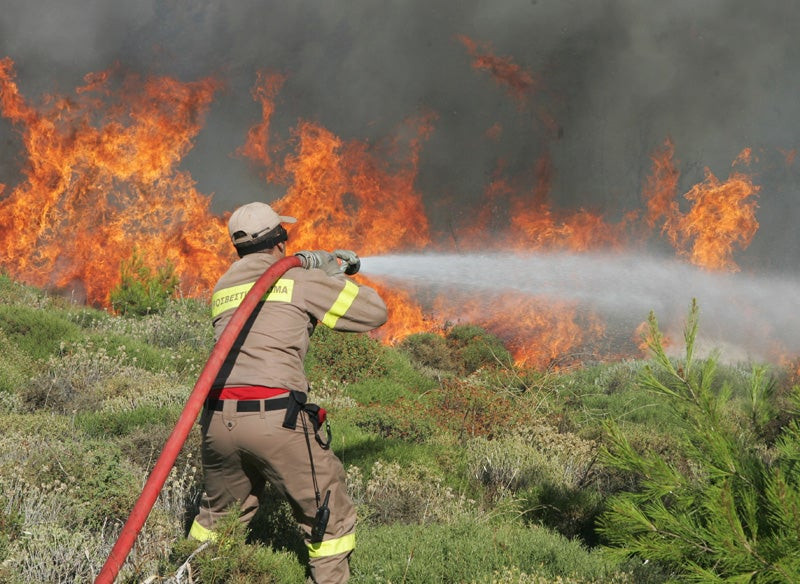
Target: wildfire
102,178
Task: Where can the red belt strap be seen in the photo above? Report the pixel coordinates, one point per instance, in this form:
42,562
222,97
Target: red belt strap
247,392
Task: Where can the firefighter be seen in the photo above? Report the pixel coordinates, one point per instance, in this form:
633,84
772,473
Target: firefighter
257,424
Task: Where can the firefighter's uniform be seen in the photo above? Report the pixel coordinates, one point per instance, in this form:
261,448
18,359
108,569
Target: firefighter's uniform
245,442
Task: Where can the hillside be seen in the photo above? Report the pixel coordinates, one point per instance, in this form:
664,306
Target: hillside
464,467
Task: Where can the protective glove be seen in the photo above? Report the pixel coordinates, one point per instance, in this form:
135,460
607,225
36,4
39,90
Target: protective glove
321,259
350,261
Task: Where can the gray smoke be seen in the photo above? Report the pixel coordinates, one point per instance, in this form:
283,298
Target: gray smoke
618,77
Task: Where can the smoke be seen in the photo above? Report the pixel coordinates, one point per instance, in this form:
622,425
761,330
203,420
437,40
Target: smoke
616,76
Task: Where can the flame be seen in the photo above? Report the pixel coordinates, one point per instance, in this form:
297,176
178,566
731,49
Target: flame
257,146
406,315
102,178
519,82
722,214
338,186
661,187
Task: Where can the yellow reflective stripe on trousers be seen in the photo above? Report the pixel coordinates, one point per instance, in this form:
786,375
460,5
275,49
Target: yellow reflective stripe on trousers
343,302
232,297
200,533
332,547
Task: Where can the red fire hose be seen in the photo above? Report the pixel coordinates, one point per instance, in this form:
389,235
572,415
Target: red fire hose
194,404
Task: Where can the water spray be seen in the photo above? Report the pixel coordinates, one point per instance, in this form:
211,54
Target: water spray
194,404
748,313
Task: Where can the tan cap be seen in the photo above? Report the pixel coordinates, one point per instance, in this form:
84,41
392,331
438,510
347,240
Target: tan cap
251,221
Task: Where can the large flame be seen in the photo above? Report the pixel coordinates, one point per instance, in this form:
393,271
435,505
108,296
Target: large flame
102,178
722,215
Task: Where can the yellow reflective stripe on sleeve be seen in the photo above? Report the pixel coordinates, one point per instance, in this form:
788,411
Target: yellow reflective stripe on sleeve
200,533
229,298
343,302
332,547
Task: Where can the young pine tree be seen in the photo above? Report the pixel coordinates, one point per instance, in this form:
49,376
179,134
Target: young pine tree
735,516
141,291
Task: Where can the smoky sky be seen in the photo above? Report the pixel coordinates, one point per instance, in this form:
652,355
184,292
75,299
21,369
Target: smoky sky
617,76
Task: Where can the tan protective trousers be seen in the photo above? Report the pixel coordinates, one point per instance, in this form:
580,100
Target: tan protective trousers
242,450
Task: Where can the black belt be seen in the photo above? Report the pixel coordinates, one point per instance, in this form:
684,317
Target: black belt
251,405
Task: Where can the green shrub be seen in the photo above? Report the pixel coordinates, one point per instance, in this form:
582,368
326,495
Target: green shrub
384,390
18,294
231,560
141,291
473,348
428,350
51,553
120,423
11,524
100,483
474,408
734,514
403,420
401,380
346,357
473,551
550,474
36,333
16,367
182,323
406,494
85,375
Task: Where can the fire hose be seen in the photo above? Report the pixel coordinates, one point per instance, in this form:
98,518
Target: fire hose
194,404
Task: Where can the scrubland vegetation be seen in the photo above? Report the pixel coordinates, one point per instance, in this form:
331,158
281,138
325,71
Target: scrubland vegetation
465,468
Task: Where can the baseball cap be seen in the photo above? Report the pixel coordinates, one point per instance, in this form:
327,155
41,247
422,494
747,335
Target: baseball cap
251,221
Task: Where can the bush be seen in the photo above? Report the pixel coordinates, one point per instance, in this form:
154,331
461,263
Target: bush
467,550
346,357
85,375
16,367
401,421
50,553
406,494
231,560
36,333
428,350
550,474
104,483
182,323
141,291
473,348
474,408
121,423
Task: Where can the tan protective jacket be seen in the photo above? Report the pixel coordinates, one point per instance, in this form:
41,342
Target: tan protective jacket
274,341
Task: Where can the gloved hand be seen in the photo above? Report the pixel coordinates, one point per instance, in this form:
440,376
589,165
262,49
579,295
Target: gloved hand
350,261
321,259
